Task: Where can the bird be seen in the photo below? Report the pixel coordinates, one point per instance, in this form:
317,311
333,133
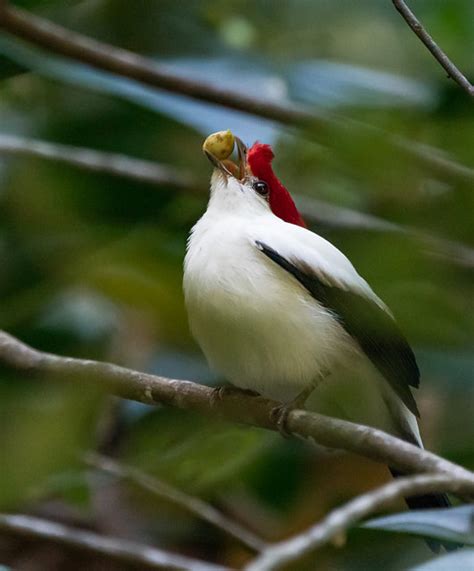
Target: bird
280,311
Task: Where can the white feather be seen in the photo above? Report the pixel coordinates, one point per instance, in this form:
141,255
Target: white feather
261,329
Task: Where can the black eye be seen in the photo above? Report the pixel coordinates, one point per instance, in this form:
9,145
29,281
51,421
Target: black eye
261,187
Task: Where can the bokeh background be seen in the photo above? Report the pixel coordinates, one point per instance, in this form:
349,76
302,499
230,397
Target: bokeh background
91,264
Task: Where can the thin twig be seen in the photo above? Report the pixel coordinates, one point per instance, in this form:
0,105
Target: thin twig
235,407
417,27
103,56
313,210
338,521
98,161
190,503
118,549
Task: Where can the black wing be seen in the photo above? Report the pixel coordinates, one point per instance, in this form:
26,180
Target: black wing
373,329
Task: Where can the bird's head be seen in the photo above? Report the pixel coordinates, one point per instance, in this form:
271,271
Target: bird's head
251,181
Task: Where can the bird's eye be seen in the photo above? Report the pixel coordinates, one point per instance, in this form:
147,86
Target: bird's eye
261,187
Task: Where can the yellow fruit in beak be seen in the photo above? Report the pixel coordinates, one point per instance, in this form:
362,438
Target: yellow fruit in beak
220,144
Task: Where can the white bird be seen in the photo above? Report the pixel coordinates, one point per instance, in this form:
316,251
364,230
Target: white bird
281,311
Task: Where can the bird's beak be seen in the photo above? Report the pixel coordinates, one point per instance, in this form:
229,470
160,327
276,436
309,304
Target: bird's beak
227,166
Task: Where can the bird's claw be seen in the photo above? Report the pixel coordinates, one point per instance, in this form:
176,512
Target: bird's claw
217,394
220,392
279,415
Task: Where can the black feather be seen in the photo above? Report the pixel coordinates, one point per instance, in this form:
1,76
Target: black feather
369,325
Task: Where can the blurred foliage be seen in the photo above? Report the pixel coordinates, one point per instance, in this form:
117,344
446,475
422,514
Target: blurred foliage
176,449
458,560
43,430
91,264
456,524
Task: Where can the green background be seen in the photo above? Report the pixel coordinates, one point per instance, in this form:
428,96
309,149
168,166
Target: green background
91,265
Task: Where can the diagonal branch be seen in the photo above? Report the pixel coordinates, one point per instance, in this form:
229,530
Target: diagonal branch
192,504
62,41
417,27
115,548
313,210
98,161
334,526
234,407
81,48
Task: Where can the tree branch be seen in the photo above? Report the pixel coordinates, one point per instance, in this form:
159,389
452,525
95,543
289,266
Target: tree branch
192,504
313,210
334,526
118,549
59,40
453,72
235,407
98,161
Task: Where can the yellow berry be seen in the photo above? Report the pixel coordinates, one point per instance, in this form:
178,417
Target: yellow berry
220,144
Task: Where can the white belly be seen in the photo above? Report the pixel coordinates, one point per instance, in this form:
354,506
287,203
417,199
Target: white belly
261,330
256,325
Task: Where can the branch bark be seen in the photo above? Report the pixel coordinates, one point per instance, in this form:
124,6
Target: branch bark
234,407
59,40
192,504
334,526
118,549
417,27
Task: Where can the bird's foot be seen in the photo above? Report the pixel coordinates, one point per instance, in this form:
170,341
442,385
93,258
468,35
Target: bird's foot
218,393
279,414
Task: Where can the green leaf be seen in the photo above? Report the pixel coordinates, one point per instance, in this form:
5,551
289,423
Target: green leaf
193,452
44,426
72,486
452,524
457,561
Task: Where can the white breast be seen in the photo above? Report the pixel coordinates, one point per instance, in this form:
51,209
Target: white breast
255,323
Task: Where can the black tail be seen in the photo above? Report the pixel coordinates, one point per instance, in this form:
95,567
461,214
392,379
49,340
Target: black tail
426,502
